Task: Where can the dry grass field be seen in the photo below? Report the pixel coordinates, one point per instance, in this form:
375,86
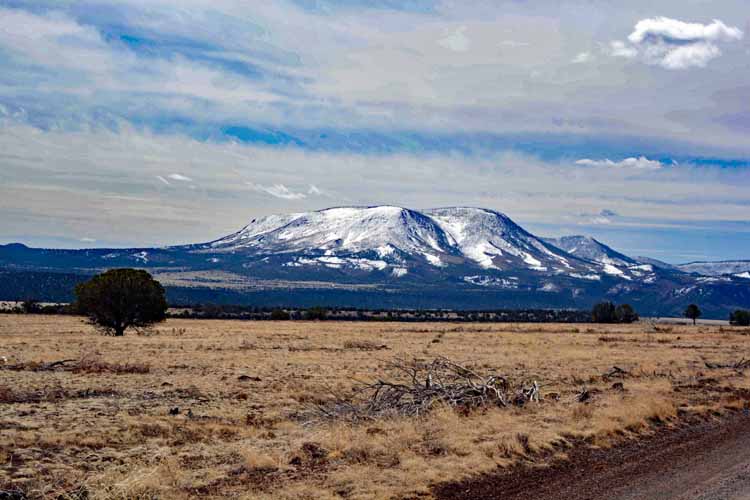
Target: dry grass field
101,425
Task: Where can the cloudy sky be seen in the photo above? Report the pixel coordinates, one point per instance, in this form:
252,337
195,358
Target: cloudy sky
151,122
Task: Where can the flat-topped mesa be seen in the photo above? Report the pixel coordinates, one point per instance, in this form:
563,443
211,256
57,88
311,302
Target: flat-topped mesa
343,229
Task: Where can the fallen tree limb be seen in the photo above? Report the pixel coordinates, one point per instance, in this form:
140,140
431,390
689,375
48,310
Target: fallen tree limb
616,371
421,387
739,365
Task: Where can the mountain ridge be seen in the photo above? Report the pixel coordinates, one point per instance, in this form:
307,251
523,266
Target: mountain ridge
452,257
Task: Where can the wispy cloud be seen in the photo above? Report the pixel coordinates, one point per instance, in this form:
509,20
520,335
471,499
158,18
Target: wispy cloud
457,41
582,57
62,183
180,177
277,191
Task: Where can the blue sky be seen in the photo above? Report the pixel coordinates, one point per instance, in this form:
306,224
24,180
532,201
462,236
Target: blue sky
156,122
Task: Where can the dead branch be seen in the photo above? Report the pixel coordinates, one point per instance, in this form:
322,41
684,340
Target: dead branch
616,371
38,367
739,365
583,396
420,387
54,364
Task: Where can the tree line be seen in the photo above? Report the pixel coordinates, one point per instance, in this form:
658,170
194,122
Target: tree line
120,299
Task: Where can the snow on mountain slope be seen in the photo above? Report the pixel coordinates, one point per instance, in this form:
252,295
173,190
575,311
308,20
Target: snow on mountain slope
494,241
655,262
716,268
588,248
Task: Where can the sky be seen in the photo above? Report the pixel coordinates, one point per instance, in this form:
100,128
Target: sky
157,122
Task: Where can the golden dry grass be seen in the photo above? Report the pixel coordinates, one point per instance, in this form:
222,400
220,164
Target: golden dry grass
106,429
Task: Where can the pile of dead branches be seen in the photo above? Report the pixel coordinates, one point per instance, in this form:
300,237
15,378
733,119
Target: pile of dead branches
420,386
742,364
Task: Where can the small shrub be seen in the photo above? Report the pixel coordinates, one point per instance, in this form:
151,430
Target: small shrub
280,315
740,318
316,314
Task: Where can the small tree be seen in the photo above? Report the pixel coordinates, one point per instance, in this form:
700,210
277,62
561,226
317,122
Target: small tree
740,318
120,299
693,312
30,306
316,314
280,315
604,312
626,314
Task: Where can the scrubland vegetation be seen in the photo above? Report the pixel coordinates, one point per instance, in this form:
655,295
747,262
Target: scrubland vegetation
230,408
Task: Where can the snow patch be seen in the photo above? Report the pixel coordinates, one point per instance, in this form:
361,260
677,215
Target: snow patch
590,277
434,260
399,272
490,281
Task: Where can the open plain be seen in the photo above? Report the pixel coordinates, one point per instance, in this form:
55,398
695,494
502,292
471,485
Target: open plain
231,409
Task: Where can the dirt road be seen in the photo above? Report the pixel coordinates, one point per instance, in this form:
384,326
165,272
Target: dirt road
702,461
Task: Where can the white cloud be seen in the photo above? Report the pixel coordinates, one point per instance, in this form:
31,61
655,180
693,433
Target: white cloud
639,163
672,30
163,180
694,55
619,49
600,220
87,240
180,177
456,41
674,44
277,191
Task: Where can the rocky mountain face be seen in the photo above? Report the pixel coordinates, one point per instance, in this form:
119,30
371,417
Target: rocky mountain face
458,257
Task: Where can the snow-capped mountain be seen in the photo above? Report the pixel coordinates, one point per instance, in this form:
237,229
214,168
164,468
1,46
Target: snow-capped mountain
381,229
588,248
441,236
457,257
735,267
393,237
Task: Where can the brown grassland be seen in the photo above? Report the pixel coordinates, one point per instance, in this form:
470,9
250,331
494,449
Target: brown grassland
245,389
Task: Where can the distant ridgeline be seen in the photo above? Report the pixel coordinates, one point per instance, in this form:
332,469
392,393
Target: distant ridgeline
264,305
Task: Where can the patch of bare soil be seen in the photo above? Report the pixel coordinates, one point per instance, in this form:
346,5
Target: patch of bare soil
701,458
